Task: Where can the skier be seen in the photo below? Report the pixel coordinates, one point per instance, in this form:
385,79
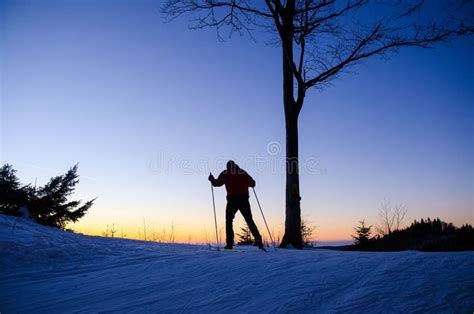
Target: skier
237,182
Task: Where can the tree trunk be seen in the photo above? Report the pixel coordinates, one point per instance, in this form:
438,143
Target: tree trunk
293,211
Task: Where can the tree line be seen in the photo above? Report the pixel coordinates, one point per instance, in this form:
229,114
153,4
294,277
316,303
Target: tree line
423,235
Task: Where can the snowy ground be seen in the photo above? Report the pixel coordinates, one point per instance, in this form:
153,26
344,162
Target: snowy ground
46,270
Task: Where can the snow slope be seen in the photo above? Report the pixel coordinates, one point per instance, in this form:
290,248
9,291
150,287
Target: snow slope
46,270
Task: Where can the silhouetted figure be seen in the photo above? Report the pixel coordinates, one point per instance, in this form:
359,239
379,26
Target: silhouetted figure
237,182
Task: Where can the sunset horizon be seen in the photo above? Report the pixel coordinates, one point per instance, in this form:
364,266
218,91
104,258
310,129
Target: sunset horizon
144,106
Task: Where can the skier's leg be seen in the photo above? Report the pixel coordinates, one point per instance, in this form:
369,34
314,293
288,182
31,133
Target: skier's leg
246,212
230,211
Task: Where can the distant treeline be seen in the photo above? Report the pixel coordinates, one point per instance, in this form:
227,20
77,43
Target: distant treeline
424,235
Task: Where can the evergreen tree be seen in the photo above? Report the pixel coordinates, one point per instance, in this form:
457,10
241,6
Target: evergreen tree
12,195
51,205
427,235
245,238
306,233
362,235
48,205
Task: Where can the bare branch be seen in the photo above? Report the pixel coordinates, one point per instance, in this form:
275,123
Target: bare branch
330,36
275,13
236,15
390,217
413,8
311,8
382,40
317,21
176,8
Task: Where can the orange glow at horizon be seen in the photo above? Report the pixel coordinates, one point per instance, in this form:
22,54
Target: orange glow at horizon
192,233
197,226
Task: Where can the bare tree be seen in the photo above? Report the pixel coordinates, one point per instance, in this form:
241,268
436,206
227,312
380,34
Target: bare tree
158,236
319,40
155,237
400,211
391,217
307,230
110,231
172,234
145,227
106,233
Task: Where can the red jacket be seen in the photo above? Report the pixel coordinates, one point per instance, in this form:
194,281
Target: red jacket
236,183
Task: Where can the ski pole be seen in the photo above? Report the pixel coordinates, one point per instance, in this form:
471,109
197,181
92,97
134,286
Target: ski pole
215,218
266,225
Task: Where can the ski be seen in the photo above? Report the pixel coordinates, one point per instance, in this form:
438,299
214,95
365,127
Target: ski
221,249
216,249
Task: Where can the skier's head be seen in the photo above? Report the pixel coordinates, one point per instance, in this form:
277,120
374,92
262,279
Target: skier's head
232,166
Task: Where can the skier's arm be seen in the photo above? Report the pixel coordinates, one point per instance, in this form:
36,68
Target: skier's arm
251,181
217,182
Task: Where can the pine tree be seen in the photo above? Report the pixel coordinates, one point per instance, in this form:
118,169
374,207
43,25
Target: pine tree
48,205
306,233
362,235
51,205
12,195
245,238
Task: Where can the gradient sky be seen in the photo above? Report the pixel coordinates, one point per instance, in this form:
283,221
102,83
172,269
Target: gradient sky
149,108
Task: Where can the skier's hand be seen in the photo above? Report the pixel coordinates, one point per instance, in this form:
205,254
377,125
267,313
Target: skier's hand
211,177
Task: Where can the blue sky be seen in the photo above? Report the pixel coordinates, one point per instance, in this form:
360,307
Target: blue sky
109,85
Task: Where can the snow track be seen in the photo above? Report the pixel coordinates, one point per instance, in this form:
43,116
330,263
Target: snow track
46,270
